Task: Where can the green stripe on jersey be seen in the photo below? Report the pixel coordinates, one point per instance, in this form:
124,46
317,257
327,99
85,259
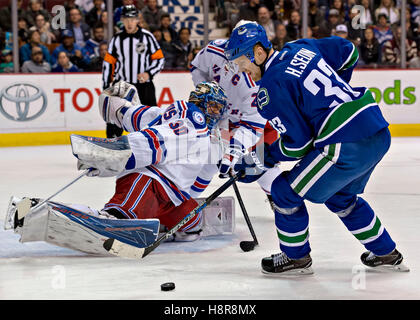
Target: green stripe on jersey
295,152
352,59
315,167
344,113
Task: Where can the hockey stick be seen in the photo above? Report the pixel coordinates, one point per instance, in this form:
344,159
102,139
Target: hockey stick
62,189
124,250
245,245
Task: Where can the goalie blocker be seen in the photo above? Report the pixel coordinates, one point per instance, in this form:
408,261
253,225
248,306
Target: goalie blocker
81,228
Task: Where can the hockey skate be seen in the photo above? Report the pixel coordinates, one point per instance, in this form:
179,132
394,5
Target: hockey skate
280,264
17,210
391,261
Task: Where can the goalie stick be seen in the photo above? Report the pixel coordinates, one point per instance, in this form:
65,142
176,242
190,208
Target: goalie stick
121,249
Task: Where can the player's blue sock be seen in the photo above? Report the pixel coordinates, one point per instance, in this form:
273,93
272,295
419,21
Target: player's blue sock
293,233
363,223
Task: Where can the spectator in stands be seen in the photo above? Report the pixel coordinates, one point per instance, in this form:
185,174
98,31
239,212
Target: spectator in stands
387,7
74,52
366,16
97,61
84,5
152,13
281,37
169,33
413,30
264,19
315,16
355,34
94,15
415,11
249,10
370,49
183,49
34,40
23,31
382,30
6,15
232,14
342,12
81,30
43,27
294,26
37,63
68,5
92,45
142,23
327,27
6,65
341,31
167,48
64,64
392,52
35,8
282,11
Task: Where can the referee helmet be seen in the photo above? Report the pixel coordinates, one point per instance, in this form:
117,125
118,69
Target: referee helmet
129,11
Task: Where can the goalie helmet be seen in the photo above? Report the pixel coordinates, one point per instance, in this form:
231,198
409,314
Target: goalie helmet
211,100
243,39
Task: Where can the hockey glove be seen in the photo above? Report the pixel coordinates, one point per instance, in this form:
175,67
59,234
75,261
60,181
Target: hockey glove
254,164
112,108
124,90
235,152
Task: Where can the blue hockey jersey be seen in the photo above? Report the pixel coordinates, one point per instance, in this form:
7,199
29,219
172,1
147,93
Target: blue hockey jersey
305,95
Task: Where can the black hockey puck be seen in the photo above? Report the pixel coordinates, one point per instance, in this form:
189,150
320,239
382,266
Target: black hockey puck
247,245
167,286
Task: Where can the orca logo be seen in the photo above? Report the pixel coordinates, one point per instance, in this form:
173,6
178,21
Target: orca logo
262,98
22,102
242,30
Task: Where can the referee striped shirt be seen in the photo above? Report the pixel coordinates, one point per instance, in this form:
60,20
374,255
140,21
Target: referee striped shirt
131,54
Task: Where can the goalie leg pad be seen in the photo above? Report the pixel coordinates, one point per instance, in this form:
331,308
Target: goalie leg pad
71,228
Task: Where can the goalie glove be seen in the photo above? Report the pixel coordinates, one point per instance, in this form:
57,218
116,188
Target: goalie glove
112,108
124,90
105,157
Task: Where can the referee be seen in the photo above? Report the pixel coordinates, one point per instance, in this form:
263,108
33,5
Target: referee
134,56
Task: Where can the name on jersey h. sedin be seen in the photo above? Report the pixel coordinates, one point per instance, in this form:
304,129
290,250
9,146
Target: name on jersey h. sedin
300,61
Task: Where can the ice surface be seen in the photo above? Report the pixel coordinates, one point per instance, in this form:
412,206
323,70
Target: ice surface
212,268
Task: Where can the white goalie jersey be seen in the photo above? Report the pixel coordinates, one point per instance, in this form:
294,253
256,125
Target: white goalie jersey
171,145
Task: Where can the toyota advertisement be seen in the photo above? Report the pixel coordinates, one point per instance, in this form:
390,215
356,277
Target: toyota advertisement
68,102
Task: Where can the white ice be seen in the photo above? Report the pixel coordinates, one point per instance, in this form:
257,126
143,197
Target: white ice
210,268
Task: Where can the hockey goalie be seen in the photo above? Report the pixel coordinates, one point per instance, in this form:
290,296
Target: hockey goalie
155,166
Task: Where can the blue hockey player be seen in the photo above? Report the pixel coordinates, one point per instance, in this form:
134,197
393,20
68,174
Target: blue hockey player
336,132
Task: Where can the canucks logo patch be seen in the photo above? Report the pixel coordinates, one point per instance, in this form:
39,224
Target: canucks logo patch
262,98
198,117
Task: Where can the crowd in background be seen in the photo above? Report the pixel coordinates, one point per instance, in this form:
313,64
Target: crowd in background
82,45
375,31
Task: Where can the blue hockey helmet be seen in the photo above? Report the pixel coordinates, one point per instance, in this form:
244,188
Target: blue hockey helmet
243,39
210,98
